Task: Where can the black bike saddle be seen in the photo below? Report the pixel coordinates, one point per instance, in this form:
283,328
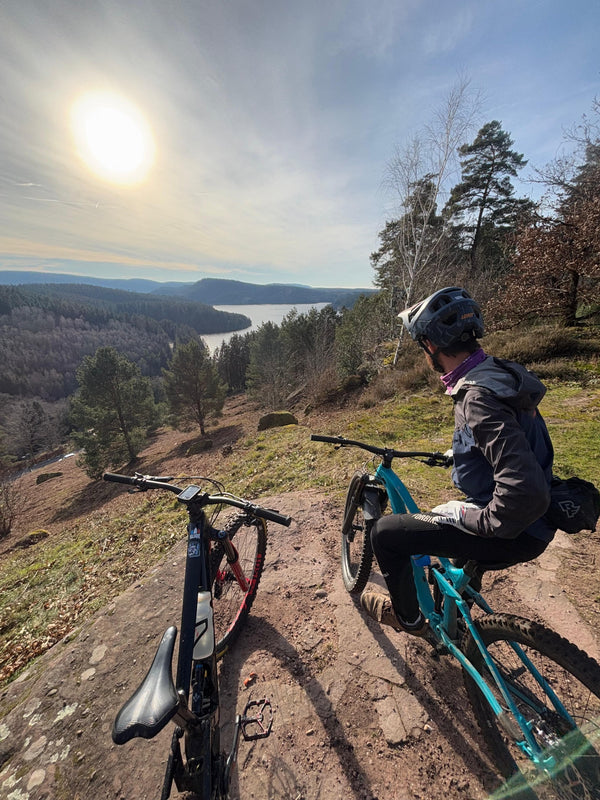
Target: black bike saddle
155,702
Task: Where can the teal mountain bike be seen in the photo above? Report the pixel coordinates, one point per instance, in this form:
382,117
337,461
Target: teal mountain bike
535,695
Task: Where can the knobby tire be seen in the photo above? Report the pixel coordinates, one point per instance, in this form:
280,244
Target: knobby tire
230,603
574,677
357,552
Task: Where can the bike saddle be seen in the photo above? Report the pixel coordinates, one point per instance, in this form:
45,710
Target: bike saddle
155,702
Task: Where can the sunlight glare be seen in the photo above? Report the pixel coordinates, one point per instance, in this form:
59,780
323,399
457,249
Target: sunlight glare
112,137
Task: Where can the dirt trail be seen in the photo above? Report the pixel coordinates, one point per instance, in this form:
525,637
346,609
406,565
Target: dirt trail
360,713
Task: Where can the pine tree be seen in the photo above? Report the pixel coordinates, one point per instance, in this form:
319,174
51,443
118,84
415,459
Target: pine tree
232,359
192,384
267,376
112,411
483,203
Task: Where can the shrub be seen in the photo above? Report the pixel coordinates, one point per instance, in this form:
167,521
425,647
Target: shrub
528,345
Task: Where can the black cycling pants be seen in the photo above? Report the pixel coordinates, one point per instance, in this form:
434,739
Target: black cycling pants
397,537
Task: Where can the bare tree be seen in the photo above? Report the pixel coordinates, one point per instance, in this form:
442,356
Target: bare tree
561,173
420,176
557,266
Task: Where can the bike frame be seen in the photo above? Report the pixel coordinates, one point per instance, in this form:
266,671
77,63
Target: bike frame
204,680
452,582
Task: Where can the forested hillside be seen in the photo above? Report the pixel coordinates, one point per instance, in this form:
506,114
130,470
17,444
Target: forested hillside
46,330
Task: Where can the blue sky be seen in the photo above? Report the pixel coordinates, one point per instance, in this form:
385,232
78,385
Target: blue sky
272,122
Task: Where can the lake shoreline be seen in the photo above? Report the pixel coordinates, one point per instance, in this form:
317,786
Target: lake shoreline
259,314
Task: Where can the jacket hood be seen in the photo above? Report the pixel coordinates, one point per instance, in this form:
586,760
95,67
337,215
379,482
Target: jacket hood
507,380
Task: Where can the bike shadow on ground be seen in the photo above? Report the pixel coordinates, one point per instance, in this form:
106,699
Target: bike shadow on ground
443,697
282,780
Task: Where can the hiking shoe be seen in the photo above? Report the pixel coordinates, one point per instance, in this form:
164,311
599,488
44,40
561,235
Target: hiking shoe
379,607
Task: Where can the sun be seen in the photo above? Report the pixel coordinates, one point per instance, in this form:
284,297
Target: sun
112,137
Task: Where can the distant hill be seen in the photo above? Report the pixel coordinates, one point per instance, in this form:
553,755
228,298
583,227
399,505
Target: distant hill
211,291
17,277
218,291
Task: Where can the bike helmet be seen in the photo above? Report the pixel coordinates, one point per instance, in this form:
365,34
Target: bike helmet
447,317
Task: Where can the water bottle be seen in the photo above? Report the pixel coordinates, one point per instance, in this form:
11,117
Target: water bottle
204,634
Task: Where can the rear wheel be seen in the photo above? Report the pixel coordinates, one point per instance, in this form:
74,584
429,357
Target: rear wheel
357,553
231,601
569,737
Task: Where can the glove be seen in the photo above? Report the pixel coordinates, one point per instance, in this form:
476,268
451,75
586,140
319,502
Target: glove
453,513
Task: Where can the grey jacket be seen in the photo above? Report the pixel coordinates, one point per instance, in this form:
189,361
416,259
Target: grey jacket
502,451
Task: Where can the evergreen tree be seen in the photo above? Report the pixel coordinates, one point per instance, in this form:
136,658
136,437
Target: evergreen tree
192,385
483,203
361,330
267,377
232,359
112,412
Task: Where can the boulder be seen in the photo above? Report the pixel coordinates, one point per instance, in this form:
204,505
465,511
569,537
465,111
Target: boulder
47,476
275,419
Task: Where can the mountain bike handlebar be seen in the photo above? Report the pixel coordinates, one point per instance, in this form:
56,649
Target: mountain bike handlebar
387,453
145,482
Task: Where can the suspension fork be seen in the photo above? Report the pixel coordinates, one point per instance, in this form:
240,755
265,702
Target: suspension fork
233,559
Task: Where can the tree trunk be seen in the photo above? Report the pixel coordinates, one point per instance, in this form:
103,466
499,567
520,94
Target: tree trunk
570,308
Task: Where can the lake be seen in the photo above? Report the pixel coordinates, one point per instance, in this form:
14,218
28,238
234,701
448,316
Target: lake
259,314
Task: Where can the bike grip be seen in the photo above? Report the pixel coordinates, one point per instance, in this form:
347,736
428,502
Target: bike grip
113,477
273,516
317,437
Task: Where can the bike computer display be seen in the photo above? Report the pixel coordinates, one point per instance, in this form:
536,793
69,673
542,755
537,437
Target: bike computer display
189,494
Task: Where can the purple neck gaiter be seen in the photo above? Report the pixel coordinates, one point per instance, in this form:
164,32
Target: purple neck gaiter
450,379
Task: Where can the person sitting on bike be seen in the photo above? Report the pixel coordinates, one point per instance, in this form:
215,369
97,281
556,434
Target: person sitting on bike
502,462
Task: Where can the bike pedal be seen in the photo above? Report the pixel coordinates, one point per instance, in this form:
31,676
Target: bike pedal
259,724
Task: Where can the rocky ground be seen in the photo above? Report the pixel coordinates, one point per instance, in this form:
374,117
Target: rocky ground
360,712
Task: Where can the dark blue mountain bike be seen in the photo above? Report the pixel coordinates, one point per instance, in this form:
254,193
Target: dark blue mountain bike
223,568
536,696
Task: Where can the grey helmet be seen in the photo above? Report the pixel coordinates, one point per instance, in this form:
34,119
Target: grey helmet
448,316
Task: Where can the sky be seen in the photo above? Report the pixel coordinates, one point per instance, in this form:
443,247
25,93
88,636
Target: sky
252,140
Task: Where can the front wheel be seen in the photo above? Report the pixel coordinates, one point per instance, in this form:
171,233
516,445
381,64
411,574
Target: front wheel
566,726
231,599
357,552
